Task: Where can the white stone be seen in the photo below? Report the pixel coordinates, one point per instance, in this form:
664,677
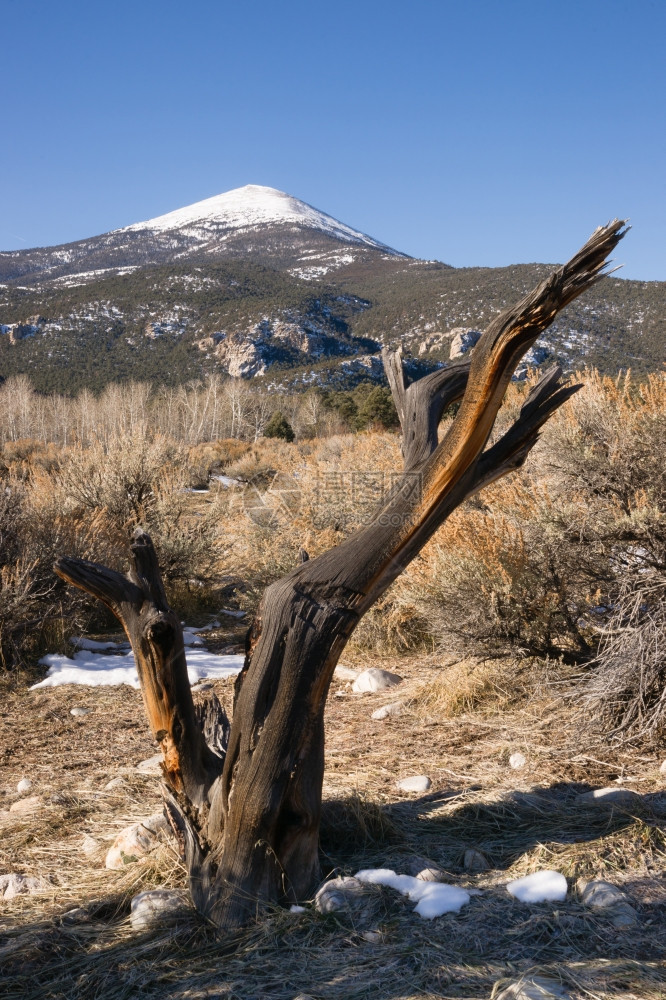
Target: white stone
372,937
517,760
151,765
534,988
611,797
599,894
78,711
20,885
79,915
623,915
342,673
416,783
474,861
395,708
375,679
157,823
116,784
295,908
24,785
431,875
156,908
90,846
539,887
662,769
132,843
26,806
339,894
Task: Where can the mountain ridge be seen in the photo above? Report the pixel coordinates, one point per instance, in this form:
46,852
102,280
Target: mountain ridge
255,283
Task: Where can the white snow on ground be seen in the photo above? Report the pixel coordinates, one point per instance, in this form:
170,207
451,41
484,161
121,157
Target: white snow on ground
539,887
432,898
97,669
227,481
250,206
110,663
92,645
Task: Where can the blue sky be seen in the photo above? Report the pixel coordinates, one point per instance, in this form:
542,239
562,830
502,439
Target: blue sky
478,133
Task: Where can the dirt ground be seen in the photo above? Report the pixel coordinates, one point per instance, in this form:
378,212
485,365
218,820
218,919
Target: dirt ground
521,820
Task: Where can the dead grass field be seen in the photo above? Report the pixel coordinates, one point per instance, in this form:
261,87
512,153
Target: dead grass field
521,820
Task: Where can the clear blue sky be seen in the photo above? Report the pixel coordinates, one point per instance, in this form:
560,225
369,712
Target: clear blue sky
473,132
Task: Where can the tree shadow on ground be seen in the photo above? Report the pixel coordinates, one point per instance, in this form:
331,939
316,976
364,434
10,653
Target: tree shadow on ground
458,955
503,829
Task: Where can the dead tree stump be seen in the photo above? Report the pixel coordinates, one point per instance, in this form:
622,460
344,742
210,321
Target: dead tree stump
248,816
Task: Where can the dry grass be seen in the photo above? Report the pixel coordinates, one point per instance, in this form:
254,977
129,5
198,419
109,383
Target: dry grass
464,686
521,821
503,576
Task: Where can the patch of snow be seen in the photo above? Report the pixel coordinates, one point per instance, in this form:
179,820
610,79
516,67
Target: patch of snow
98,670
432,898
248,207
539,887
92,645
226,481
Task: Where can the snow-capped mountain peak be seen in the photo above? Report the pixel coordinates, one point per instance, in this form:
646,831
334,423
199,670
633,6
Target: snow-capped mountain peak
248,208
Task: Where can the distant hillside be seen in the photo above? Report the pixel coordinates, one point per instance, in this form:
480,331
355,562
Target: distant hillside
256,283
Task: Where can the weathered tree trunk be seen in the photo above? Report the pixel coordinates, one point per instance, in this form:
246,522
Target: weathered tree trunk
249,819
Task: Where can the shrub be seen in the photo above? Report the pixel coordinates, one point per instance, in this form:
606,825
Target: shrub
626,691
279,427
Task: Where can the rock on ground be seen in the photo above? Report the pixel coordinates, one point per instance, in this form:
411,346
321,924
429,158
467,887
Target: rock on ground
27,806
474,861
612,796
342,673
605,896
151,765
350,898
422,868
116,784
157,823
534,988
78,711
599,895
90,846
517,760
395,708
133,842
417,783
375,679
20,885
24,785
157,908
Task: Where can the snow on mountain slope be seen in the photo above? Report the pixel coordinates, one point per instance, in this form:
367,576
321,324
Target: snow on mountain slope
248,208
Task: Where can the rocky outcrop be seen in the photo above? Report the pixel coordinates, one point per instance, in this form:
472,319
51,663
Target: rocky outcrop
19,331
462,340
273,339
